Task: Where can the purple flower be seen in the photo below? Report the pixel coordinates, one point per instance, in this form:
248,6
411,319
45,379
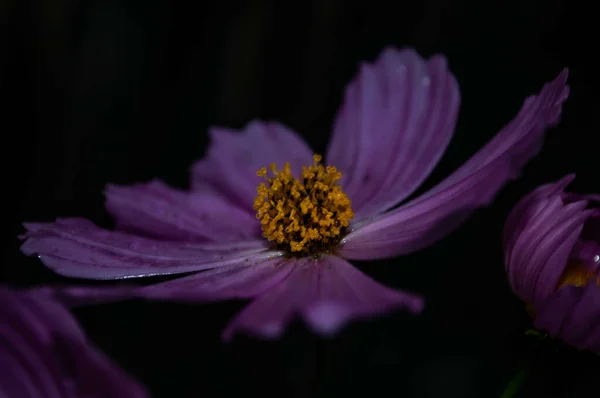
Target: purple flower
552,257
287,247
44,353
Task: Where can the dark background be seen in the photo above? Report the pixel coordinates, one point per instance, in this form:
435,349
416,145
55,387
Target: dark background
123,91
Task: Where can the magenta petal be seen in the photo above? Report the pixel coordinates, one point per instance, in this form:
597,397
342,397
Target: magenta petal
234,157
522,138
541,252
431,216
157,210
528,207
78,248
328,293
44,353
395,123
238,281
539,236
572,314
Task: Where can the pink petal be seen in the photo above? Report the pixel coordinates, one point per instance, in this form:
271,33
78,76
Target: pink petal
522,138
395,123
539,237
572,314
78,248
328,293
238,281
541,251
433,215
157,210
234,157
44,353
528,207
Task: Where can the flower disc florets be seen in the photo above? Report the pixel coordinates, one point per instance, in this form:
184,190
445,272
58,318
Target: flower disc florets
304,216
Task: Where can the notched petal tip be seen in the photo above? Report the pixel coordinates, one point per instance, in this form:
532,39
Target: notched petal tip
426,219
563,75
540,236
566,180
328,318
397,117
328,294
526,206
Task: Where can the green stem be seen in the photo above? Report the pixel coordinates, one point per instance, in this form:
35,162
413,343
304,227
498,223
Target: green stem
515,384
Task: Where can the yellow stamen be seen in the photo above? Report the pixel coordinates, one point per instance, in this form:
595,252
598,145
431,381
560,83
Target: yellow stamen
303,216
574,275
577,275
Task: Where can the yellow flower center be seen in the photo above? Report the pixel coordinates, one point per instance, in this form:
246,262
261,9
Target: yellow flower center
577,275
304,216
574,275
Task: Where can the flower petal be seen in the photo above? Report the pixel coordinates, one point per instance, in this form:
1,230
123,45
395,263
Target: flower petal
395,123
44,353
157,210
541,251
522,138
238,281
78,248
328,293
234,157
529,207
541,233
431,216
572,314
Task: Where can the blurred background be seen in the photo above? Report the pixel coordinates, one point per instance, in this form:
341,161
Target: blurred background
118,91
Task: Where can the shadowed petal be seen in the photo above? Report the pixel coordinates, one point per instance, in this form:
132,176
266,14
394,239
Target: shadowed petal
522,138
238,281
80,296
539,237
157,210
433,215
44,354
572,314
529,207
78,248
395,123
234,157
587,252
541,252
328,293
235,281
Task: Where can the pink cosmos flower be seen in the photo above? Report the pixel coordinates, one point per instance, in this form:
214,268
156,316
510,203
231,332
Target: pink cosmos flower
44,353
552,258
287,247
